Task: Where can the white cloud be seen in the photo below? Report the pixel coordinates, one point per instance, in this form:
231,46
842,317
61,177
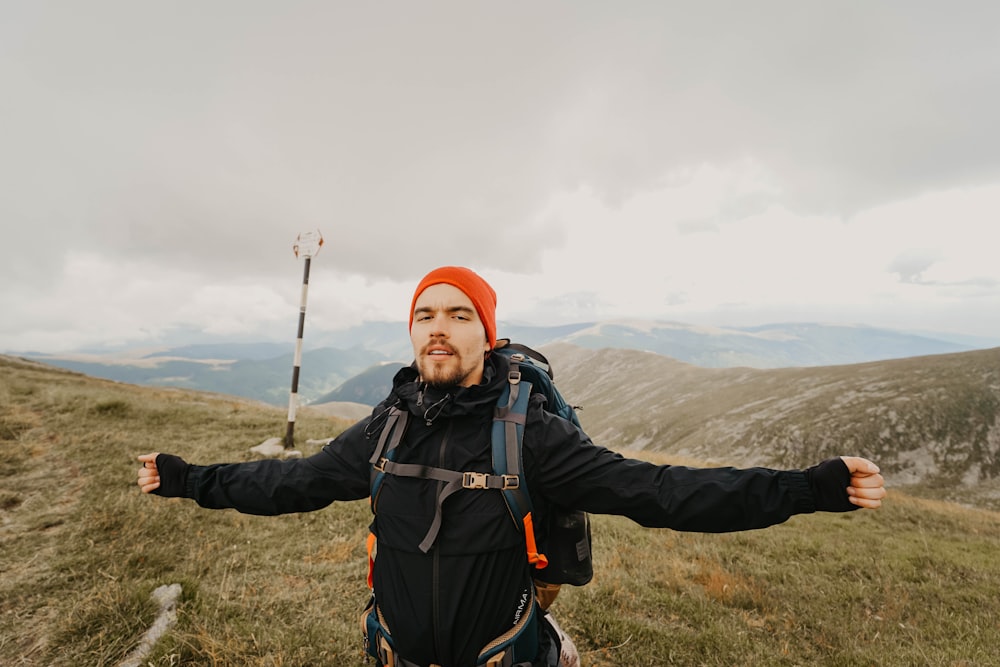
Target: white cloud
642,259
686,161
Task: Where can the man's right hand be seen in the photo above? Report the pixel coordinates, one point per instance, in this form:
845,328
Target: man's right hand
149,475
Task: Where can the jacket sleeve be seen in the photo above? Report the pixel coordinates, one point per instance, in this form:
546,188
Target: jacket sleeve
567,469
340,471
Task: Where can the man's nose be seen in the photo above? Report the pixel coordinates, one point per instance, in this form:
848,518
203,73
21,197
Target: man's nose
439,326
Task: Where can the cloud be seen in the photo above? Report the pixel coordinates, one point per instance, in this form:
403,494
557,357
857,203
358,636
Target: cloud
911,265
732,153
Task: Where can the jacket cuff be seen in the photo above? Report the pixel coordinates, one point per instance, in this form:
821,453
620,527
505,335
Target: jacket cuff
798,482
173,472
829,481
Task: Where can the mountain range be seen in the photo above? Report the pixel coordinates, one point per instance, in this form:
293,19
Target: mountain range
262,371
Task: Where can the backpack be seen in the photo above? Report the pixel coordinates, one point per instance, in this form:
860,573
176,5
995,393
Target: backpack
563,556
567,536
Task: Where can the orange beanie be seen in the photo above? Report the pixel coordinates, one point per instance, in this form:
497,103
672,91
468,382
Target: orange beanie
478,290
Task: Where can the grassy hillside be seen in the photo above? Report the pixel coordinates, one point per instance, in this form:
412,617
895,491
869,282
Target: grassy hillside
917,583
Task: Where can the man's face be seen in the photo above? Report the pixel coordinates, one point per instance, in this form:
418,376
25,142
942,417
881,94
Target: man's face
448,337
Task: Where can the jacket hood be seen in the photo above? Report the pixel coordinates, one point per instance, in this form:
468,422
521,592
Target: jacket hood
429,403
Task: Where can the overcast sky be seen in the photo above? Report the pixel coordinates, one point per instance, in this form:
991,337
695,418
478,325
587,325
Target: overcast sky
726,163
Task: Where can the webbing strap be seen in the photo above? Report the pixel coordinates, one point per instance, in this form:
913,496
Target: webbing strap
509,419
432,532
371,545
466,480
395,414
512,428
539,560
417,470
508,431
391,436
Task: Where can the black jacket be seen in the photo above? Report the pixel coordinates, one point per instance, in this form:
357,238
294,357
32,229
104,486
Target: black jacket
443,606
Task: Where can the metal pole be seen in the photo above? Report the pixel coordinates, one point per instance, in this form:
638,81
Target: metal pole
307,244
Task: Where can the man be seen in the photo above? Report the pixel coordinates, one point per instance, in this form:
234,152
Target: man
451,575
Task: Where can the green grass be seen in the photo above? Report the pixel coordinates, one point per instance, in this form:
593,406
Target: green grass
916,583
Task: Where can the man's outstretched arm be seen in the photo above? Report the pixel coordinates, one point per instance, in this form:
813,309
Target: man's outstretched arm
339,471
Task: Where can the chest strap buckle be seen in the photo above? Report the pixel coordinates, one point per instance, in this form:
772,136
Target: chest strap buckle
474,480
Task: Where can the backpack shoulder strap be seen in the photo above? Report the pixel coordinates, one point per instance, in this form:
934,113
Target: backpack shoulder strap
385,449
507,435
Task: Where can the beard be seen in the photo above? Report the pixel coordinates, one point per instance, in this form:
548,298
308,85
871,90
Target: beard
444,375
439,377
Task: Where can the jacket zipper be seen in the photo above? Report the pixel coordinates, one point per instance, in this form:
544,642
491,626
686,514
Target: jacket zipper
436,562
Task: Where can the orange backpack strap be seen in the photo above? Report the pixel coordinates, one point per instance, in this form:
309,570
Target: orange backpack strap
535,558
372,545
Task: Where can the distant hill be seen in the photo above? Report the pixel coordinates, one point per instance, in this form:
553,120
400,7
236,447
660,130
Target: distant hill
244,351
770,346
369,387
390,339
262,371
267,380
